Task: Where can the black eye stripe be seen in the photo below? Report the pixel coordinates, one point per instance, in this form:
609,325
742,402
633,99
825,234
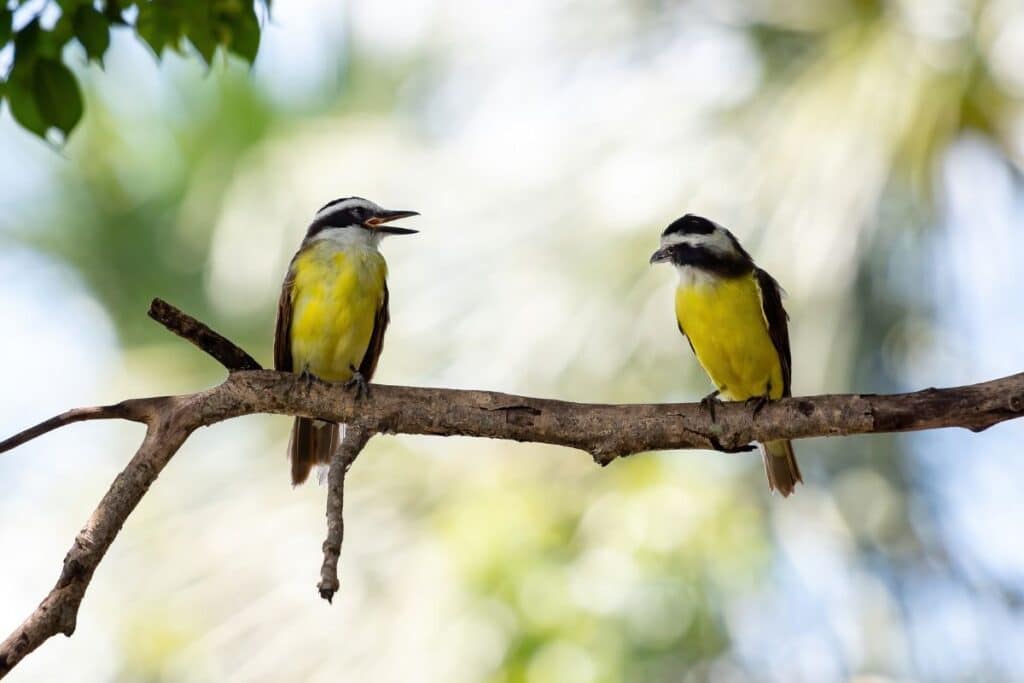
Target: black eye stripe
690,224
726,265
338,219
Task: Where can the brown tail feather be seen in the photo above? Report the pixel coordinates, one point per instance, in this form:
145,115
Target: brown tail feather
780,466
313,442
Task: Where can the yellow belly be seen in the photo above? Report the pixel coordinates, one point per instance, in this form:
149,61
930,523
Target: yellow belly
335,300
723,319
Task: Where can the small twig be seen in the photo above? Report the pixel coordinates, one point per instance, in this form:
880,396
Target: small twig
136,410
353,443
223,350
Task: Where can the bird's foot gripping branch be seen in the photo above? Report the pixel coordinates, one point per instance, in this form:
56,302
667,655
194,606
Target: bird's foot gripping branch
604,431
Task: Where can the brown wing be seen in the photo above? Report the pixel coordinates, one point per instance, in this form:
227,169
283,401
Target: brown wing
282,334
685,336
778,323
380,326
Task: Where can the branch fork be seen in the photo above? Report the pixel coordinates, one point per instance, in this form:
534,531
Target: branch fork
606,432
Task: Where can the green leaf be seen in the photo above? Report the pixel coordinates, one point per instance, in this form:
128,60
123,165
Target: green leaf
26,41
32,41
202,26
6,16
92,31
62,32
113,10
147,26
202,39
57,95
22,100
245,40
206,24
158,25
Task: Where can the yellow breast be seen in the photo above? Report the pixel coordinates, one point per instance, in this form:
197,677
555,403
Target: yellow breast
723,319
335,299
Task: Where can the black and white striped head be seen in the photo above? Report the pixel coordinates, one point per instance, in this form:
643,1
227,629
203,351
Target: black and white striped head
356,217
696,242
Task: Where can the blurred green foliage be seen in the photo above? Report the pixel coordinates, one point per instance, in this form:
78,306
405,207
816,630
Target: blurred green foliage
42,91
578,566
114,225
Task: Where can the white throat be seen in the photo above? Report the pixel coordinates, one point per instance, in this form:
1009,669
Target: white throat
349,238
691,277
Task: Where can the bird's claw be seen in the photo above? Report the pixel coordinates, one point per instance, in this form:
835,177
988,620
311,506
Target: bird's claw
709,403
358,385
756,403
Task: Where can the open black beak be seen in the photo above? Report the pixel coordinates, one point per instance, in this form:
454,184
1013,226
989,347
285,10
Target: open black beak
661,256
377,222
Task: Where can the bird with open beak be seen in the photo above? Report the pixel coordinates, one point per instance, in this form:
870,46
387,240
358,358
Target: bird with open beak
333,313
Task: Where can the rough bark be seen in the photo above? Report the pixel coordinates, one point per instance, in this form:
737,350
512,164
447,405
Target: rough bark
604,431
353,443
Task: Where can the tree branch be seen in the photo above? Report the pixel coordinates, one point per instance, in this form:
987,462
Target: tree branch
58,612
353,443
136,410
185,326
604,431
610,431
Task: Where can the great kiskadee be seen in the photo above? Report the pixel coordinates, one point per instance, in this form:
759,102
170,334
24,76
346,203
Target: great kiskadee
731,313
333,313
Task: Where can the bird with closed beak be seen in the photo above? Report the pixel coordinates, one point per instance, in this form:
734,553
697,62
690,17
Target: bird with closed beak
333,313
731,313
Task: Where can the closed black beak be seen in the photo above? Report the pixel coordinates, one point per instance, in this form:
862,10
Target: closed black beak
661,256
377,222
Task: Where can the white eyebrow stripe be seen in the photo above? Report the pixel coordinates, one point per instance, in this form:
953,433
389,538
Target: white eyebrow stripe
717,241
345,205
